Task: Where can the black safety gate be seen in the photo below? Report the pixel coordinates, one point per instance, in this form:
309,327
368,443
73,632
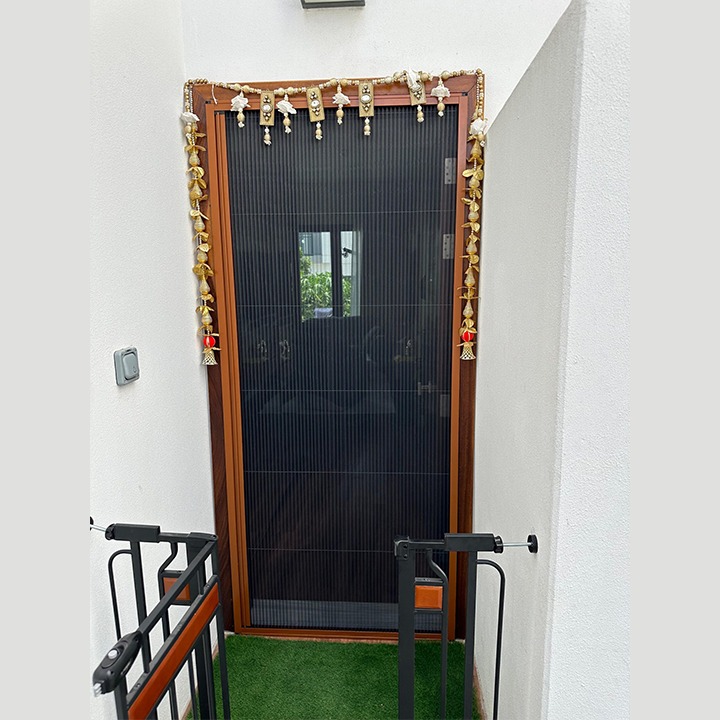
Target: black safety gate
429,595
186,641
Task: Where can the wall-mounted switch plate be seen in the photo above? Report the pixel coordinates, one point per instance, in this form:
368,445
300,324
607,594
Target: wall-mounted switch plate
127,367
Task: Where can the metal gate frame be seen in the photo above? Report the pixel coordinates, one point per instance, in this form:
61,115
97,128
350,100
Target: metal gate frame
188,643
430,595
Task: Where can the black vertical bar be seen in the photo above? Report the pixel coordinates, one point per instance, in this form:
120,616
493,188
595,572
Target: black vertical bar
222,658
208,670
222,662
193,694
498,647
174,712
470,634
121,706
141,605
140,602
406,632
113,593
203,692
443,634
203,656
444,651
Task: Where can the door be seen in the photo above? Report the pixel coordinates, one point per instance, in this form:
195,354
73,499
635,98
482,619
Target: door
341,383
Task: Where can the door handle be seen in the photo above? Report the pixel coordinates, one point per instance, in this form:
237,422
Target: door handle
425,388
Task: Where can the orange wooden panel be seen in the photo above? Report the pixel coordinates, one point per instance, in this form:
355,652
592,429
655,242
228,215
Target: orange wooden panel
428,597
168,582
157,684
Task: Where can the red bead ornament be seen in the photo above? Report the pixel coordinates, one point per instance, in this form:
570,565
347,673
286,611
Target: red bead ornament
209,341
467,336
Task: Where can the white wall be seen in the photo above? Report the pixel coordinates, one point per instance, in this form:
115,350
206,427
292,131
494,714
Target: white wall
279,40
589,655
529,165
553,388
149,440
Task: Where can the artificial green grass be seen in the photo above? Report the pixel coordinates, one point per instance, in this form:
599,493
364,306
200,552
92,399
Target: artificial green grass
271,679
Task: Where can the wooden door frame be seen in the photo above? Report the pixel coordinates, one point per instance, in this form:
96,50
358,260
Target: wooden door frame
210,102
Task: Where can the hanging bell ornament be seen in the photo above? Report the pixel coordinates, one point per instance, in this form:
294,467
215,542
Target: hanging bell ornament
209,356
467,336
467,346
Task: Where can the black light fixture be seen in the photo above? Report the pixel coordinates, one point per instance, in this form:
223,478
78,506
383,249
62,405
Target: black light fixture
308,4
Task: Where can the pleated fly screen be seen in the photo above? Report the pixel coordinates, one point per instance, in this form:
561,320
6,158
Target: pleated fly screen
343,268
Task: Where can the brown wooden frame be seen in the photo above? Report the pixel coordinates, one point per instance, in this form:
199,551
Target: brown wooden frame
210,102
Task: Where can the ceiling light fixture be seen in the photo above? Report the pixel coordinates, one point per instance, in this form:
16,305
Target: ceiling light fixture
309,4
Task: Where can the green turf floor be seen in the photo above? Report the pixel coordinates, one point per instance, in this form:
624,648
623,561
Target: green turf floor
273,679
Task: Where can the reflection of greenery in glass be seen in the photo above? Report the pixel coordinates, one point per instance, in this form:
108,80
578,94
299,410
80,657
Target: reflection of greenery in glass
347,290
316,289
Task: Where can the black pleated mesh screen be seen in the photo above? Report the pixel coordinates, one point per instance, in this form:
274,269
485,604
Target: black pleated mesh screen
343,270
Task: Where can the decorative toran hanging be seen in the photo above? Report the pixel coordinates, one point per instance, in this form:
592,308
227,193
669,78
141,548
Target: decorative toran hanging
267,106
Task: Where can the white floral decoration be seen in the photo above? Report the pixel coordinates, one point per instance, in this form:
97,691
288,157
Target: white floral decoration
285,107
478,126
440,91
189,118
341,99
413,79
239,103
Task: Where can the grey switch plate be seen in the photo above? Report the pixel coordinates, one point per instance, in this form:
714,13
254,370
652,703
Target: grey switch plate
127,367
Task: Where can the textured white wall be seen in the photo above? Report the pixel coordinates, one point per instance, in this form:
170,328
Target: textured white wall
149,440
279,40
529,165
552,418
589,653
